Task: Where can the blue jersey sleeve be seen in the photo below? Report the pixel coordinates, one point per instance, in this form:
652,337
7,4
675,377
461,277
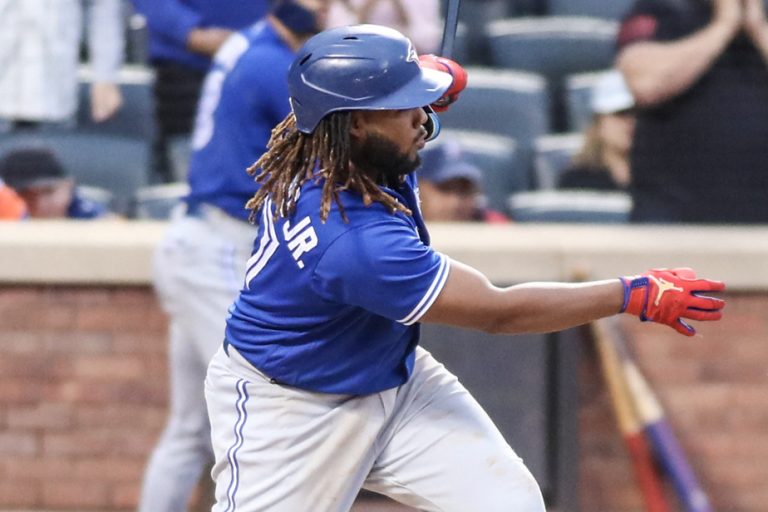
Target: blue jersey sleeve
171,18
383,268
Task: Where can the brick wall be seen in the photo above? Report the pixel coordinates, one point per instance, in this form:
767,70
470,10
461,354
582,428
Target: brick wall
83,396
714,390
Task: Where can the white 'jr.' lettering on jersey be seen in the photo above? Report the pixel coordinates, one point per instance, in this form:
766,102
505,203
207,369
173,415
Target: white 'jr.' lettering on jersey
301,238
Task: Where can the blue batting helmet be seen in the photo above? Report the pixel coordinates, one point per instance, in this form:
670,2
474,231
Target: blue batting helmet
360,67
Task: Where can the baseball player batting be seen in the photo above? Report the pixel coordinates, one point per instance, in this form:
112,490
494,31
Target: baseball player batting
320,387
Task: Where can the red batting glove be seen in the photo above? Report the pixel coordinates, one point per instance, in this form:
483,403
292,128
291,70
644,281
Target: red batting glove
667,296
454,69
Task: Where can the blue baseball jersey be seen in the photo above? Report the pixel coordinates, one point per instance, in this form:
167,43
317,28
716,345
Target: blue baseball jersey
244,96
333,307
83,208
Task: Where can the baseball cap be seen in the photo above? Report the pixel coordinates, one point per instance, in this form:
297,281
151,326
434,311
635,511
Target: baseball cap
611,94
447,162
27,167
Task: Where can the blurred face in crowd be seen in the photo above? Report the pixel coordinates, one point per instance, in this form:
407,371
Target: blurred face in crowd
50,200
454,200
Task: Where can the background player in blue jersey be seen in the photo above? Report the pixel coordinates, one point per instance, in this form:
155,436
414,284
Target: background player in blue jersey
183,36
320,387
199,264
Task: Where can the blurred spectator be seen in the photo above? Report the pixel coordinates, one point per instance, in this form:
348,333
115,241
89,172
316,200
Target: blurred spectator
183,36
12,206
603,161
49,192
420,20
450,187
699,75
200,263
40,48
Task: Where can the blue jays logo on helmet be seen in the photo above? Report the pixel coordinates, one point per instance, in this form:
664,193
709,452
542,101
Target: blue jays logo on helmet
359,67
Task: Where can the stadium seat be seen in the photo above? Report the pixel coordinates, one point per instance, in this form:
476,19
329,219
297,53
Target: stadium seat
578,99
612,9
461,45
552,155
528,7
504,169
98,195
117,164
136,36
554,47
570,206
508,103
159,201
134,119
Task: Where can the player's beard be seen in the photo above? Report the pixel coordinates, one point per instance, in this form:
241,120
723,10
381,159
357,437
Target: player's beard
380,158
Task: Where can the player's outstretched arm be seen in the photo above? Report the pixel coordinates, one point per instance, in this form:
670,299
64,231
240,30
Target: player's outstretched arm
470,300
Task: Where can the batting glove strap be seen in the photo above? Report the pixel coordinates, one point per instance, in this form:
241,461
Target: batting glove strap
670,297
453,68
635,296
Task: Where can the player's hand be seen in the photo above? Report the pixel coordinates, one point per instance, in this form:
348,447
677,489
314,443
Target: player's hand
670,296
454,69
206,41
106,99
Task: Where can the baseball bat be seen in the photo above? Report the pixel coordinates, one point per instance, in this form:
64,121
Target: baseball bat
646,472
658,430
449,30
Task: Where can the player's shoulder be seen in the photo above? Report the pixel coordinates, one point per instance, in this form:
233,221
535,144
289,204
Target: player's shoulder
265,46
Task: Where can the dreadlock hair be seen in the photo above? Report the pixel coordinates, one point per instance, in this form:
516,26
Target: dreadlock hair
293,156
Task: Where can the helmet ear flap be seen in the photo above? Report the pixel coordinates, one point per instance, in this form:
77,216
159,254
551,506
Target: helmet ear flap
433,123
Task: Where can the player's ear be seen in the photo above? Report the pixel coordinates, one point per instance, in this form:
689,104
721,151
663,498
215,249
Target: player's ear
358,124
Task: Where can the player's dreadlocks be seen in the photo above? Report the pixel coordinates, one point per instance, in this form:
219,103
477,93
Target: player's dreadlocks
293,156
